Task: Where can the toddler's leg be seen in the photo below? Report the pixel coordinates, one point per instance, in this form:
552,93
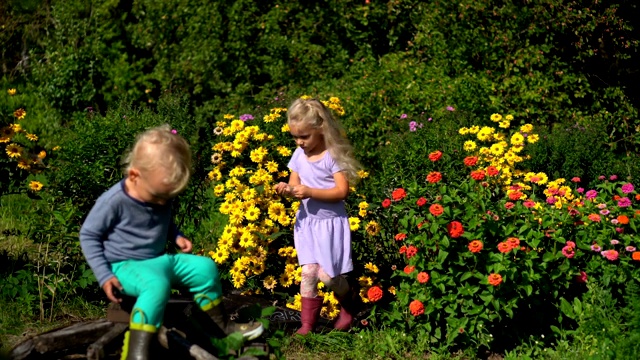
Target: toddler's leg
200,275
349,301
148,281
311,304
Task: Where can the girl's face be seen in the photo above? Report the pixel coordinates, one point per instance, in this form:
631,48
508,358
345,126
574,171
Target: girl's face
308,138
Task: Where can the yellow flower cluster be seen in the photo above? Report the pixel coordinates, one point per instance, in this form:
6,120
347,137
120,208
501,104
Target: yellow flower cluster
500,149
330,305
367,281
561,193
334,104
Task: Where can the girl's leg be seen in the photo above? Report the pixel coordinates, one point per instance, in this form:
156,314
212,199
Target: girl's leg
311,304
339,284
349,301
200,275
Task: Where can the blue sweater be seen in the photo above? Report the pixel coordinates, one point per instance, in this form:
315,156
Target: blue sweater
120,227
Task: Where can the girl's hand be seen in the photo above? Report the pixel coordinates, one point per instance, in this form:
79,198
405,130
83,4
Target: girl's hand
301,191
112,289
184,244
282,188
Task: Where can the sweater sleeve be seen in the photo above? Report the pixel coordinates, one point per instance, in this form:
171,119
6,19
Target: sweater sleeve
93,233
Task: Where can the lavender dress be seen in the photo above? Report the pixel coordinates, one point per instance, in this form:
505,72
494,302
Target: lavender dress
321,233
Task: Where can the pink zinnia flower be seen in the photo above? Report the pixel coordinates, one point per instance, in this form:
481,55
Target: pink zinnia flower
594,217
596,248
568,251
630,249
575,179
613,221
615,242
624,202
627,188
529,203
602,206
611,255
601,177
604,212
509,205
580,190
613,177
619,230
551,200
591,194
582,278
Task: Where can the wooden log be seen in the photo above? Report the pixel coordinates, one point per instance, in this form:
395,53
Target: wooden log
60,339
166,337
95,351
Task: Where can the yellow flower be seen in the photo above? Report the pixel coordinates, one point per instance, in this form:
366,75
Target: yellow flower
252,213
474,129
362,213
363,174
282,174
354,223
527,128
305,97
11,92
228,117
215,175
284,151
469,145
363,205
517,139
509,117
533,138
269,282
16,128
285,128
372,228
504,124
463,131
218,190
42,154
24,164
286,280
238,280
6,134
257,155
272,166
20,113
56,148
371,267
496,117
392,289
220,256
496,149
13,150
276,210
365,281
35,186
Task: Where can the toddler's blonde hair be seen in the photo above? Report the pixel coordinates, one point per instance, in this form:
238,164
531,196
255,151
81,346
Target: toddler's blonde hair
313,113
160,147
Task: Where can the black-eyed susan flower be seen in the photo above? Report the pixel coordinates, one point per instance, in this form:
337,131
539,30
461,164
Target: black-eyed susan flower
20,113
32,137
13,150
35,186
6,134
11,92
24,164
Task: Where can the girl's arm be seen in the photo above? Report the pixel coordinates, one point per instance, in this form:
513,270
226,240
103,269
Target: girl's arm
335,194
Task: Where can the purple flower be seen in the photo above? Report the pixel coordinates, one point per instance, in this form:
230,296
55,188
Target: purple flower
630,249
174,131
604,212
627,188
615,242
591,194
246,117
551,200
596,248
624,202
613,177
614,221
429,119
450,108
403,116
601,177
580,190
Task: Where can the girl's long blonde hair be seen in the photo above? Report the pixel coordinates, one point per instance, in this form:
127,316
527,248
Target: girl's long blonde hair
313,113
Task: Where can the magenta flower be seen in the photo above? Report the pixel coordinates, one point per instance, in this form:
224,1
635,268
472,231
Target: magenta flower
611,255
403,116
575,179
624,202
613,177
582,278
627,188
450,108
619,230
551,200
568,251
580,190
245,117
591,194
601,177
596,248
630,248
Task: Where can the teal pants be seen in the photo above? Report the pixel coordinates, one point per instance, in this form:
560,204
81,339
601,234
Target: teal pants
151,280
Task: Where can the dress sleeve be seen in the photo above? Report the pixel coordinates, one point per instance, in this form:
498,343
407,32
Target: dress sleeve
293,163
333,165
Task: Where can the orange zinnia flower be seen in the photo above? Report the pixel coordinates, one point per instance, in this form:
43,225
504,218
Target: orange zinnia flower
504,247
455,229
495,279
623,219
492,171
411,251
416,307
409,269
636,255
401,236
513,242
423,277
515,195
436,209
470,160
475,246
638,197
374,293
477,175
398,194
435,156
434,177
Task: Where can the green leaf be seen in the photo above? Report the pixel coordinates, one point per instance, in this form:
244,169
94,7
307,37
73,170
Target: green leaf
466,275
566,308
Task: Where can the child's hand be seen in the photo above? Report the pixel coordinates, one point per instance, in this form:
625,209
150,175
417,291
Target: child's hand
301,191
282,188
111,287
184,244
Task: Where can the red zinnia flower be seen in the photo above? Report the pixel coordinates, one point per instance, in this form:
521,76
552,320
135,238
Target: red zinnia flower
374,293
616,197
423,277
434,177
401,236
411,251
470,160
409,269
386,203
455,229
516,195
398,194
509,205
492,171
435,156
436,209
403,249
477,175
416,307
421,201
475,246
495,279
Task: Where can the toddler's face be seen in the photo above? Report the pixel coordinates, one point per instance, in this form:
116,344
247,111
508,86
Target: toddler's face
151,187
